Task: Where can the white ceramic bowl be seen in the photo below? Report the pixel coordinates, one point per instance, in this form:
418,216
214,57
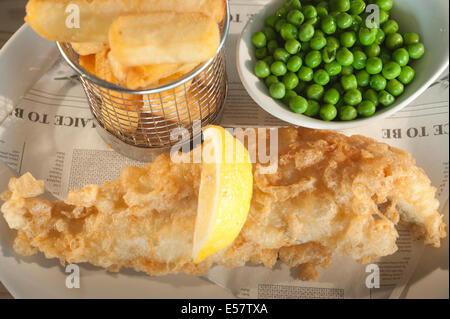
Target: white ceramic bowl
428,18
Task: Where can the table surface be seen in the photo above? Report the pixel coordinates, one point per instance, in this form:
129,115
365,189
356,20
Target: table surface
432,270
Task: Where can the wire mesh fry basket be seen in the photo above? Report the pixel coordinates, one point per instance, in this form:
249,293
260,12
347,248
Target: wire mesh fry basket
139,123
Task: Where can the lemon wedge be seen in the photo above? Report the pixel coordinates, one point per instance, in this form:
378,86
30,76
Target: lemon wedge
225,192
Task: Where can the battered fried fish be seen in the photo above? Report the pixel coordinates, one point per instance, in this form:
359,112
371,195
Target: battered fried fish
331,194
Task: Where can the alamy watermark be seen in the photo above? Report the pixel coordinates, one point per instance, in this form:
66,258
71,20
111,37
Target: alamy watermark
373,279
373,19
262,145
73,277
73,16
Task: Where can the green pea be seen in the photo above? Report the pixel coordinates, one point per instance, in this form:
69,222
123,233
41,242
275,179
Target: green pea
313,59
261,53
319,33
321,77
333,80
390,26
347,70
363,78
271,79
357,7
259,40
288,95
366,108
281,54
278,68
271,20
305,47
328,55
292,4
340,104
333,13
372,96
322,4
261,69
295,17
401,56
318,42
298,104
338,87
416,50
386,98
384,4
344,20
313,108
384,16
310,12
349,82
328,25
290,80
294,63
277,90
411,38
374,65
348,113
391,70
269,60
269,33
333,68
367,36
333,43
292,46
314,21
281,13
377,82
328,112
348,39
315,92
340,5
395,87
344,57
305,74
385,55
288,31
379,39
394,41
373,50
331,96
356,23
272,45
378,60
359,60
322,12
353,97
301,87
279,24
306,32
407,75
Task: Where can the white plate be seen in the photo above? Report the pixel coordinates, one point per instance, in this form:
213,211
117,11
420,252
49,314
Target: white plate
428,18
21,61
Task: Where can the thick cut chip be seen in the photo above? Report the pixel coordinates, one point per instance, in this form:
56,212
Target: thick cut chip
87,48
89,21
120,111
147,76
164,37
88,62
